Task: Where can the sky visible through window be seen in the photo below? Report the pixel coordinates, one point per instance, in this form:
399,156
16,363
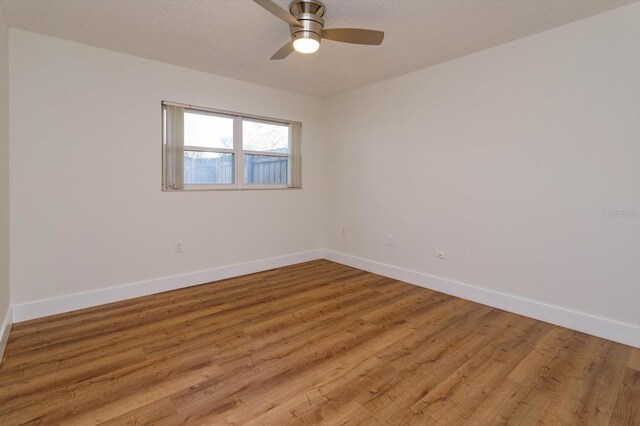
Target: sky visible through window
258,136
210,131
207,131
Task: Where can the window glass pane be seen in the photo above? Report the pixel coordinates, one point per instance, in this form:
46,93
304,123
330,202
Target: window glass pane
258,136
208,168
208,131
265,169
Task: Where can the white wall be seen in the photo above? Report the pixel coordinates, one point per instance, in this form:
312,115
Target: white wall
87,210
5,308
505,159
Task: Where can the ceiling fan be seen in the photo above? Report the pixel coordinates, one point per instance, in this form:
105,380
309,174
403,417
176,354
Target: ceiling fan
307,28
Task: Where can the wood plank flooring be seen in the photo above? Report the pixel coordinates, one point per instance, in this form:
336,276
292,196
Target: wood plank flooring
314,343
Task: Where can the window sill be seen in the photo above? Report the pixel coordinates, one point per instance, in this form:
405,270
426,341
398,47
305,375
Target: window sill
199,188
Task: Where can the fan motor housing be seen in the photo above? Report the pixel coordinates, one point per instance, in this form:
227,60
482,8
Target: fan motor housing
309,13
307,6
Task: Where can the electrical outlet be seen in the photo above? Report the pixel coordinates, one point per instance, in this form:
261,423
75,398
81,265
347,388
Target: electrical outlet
441,255
389,241
344,232
178,247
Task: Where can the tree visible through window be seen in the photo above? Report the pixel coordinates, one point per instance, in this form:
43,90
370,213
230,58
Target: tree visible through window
266,152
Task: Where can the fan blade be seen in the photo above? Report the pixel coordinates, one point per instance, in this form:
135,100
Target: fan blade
354,35
279,12
283,52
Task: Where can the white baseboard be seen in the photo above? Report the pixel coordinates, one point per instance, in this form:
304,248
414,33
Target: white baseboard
627,334
5,327
71,302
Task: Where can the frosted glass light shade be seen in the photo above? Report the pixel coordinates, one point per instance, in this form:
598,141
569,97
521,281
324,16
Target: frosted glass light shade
306,45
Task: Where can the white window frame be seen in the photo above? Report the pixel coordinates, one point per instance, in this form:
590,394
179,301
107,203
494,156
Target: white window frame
237,150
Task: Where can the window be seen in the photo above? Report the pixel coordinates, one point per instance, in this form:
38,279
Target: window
209,149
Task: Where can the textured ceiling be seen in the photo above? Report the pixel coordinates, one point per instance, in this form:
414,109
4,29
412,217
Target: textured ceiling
236,38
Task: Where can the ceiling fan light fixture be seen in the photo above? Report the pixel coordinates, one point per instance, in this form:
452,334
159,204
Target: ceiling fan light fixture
306,45
306,23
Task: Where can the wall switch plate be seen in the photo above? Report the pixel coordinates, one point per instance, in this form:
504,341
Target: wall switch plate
389,241
178,247
441,255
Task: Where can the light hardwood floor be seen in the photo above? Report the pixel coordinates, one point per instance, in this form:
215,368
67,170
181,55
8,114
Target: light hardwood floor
314,343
